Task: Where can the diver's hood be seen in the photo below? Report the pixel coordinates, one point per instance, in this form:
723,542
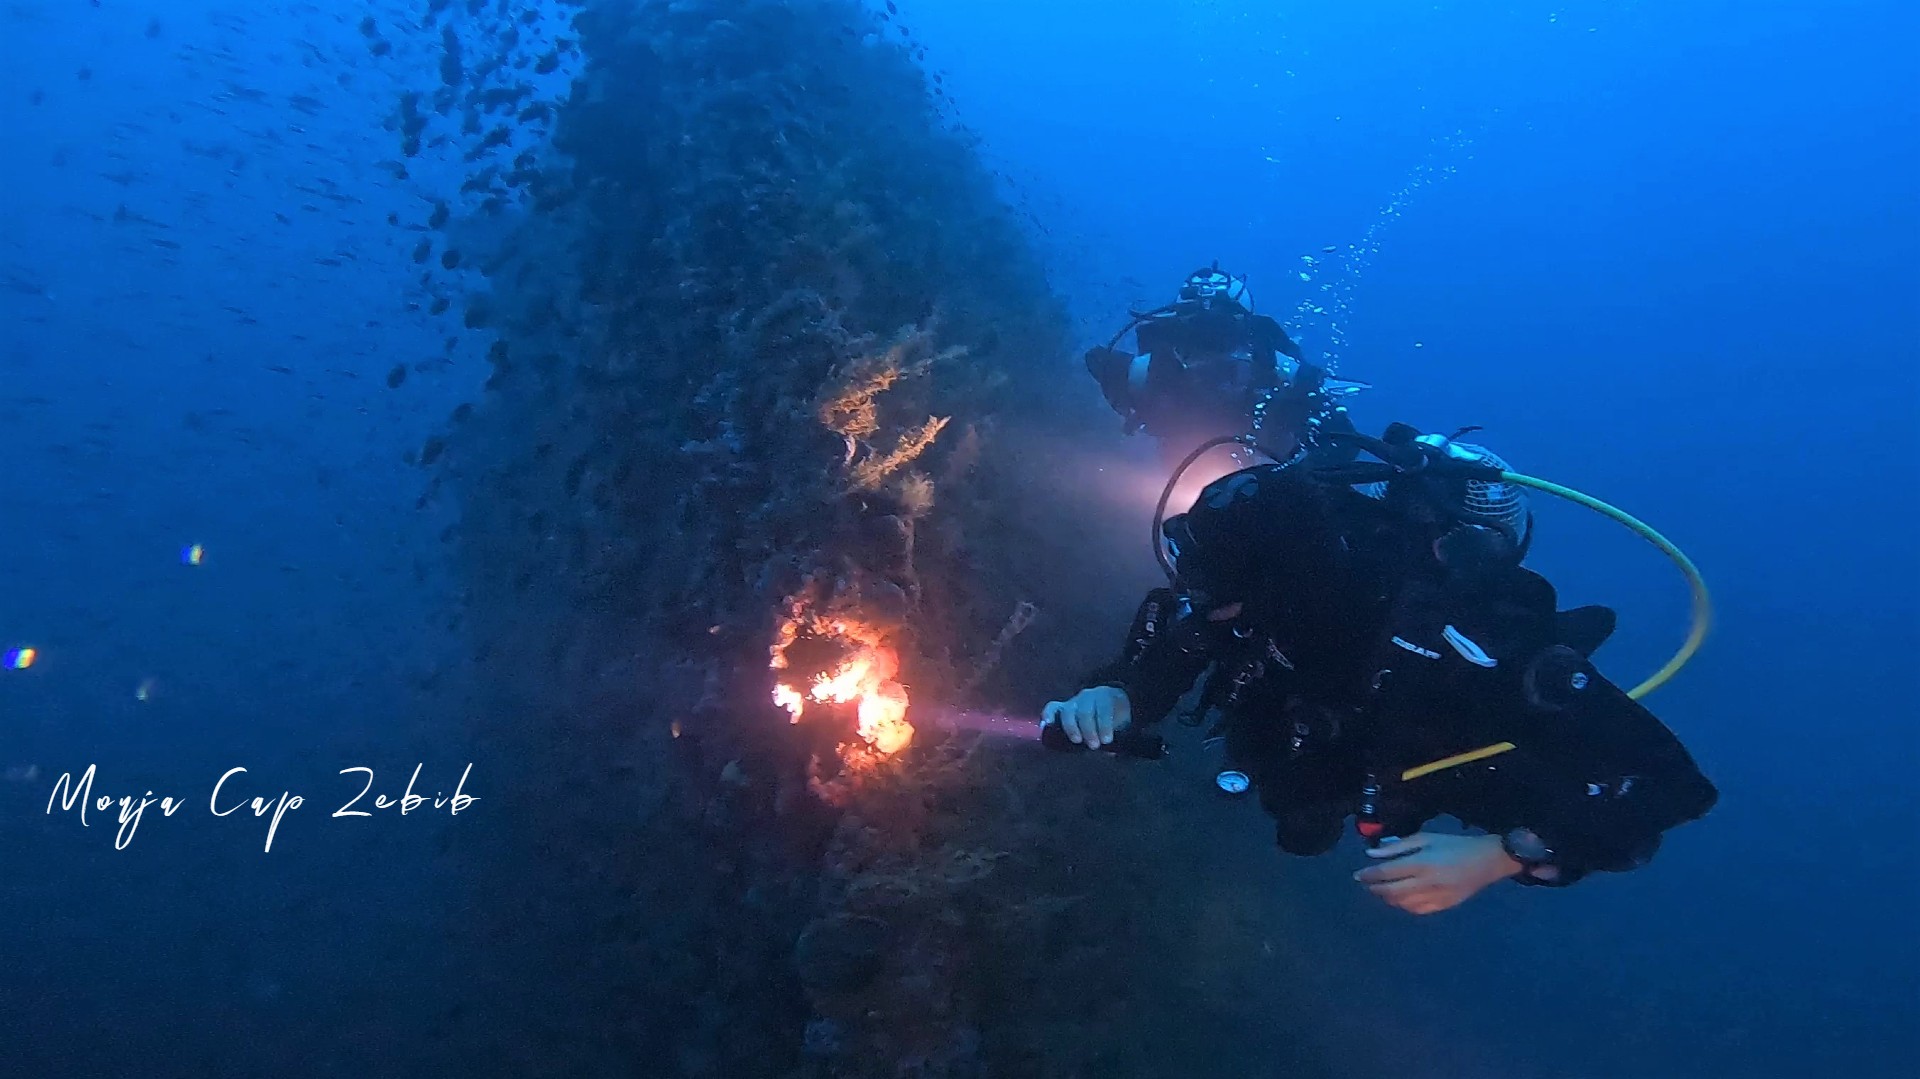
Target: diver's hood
1211,286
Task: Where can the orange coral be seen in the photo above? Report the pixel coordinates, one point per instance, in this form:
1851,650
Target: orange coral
869,474
865,679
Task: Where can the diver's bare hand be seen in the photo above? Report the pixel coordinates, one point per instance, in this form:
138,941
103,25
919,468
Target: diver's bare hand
1430,872
1091,717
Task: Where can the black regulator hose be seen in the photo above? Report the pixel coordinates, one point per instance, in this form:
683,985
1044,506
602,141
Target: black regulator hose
1166,494
1139,318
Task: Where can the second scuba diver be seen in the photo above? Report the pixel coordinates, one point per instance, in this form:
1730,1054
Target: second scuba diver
1210,366
1378,652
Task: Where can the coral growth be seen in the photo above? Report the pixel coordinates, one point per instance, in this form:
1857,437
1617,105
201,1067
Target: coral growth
870,473
851,408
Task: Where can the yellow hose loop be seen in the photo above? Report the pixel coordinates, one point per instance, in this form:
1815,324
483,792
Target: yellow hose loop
1702,602
1457,760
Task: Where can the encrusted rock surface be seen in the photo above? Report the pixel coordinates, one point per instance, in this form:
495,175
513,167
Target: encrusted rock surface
771,364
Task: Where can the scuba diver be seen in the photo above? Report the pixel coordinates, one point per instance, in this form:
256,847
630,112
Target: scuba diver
1209,366
1377,651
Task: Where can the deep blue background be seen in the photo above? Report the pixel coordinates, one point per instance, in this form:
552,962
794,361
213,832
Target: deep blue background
227,390
1668,253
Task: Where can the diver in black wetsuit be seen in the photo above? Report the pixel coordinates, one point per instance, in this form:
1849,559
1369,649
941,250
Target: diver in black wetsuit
1209,366
1378,652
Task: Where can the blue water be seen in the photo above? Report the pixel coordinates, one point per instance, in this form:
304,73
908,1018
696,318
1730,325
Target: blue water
1666,253
1672,257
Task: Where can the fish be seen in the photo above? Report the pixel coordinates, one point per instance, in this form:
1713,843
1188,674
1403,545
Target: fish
20,281
124,216
452,66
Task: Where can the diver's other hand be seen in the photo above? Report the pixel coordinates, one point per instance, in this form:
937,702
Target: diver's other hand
1430,872
1091,717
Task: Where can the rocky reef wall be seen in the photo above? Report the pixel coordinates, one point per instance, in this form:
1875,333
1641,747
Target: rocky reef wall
753,495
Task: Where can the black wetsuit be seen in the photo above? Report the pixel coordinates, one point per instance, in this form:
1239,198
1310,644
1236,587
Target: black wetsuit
1208,370
1356,657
